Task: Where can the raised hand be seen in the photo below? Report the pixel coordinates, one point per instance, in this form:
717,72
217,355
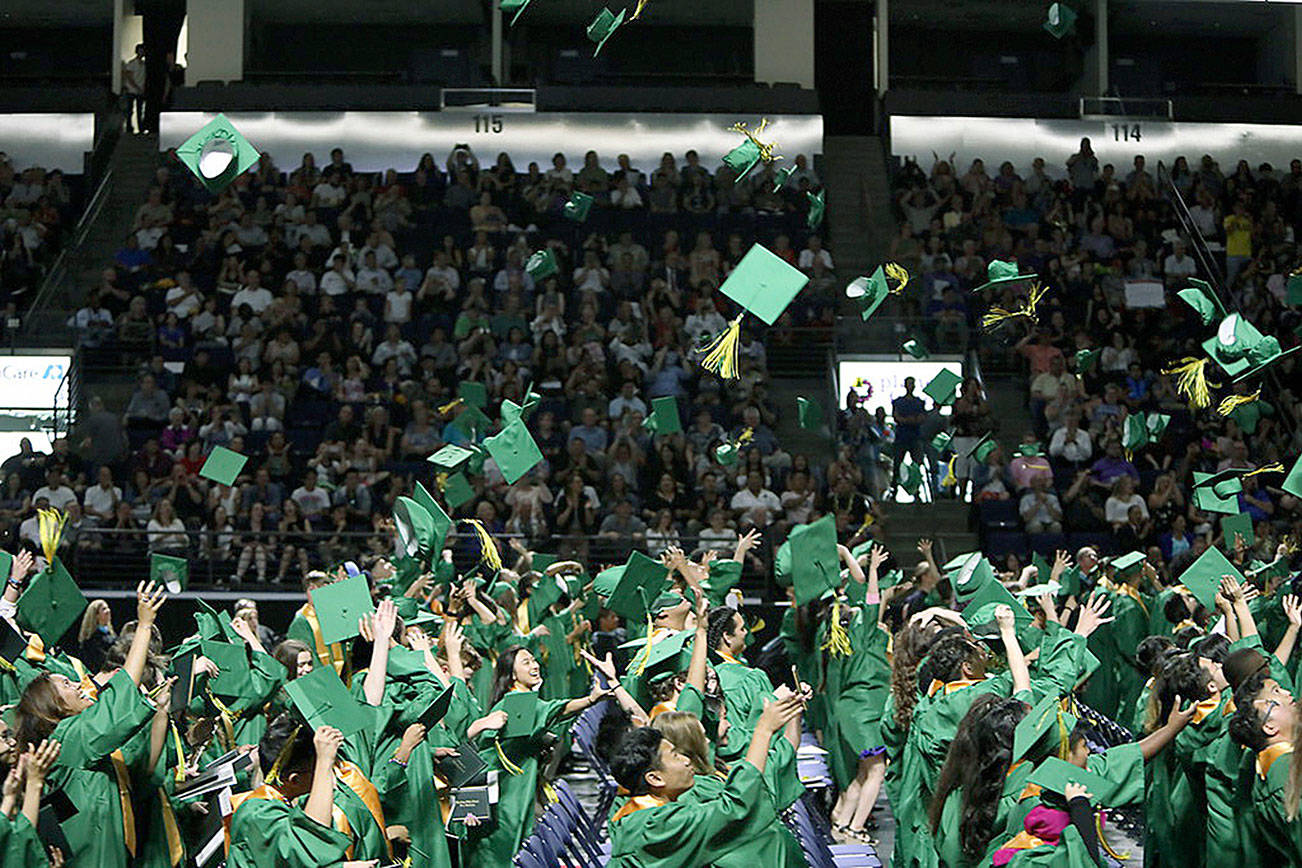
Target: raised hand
386,619
41,760
1293,610
22,565
751,540
778,713
1179,717
453,638
877,556
149,599
606,667
418,640
1074,790
1061,561
924,548
1004,618
1232,590
327,741
411,736
1093,614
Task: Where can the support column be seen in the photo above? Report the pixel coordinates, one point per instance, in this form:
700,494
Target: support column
1297,49
1102,57
882,47
215,40
784,42
498,78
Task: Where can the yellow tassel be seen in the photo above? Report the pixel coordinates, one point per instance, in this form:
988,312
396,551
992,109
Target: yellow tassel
897,273
1064,737
488,553
638,10
274,775
744,436
838,642
1267,468
720,354
180,754
650,635
1026,309
1233,402
765,150
950,478
1191,382
50,528
1098,831
441,480
506,761
450,406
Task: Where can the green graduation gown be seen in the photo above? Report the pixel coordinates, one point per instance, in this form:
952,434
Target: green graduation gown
1279,840
19,844
269,832
855,693
744,691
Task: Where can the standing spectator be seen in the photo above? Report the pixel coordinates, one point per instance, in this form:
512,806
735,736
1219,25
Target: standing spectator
96,636
133,89
909,413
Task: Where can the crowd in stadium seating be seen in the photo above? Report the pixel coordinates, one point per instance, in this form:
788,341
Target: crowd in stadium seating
37,207
317,320
1087,230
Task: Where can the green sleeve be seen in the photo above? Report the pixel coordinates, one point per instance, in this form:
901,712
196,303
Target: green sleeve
299,629
1061,662
19,844
271,834
691,701
1124,766
107,725
1069,852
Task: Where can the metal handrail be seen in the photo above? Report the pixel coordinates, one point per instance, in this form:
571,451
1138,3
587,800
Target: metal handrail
58,272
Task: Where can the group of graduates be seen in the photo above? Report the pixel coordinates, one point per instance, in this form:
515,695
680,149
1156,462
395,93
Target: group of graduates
978,700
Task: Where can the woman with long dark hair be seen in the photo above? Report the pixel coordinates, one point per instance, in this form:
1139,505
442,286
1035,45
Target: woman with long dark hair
517,758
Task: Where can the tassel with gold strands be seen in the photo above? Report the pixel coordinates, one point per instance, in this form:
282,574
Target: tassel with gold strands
50,523
506,761
950,477
765,150
488,553
1265,468
638,10
1233,402
720,354
650,631
897,274
441,480
837,643
997,315
273,776
179,746
1121,857
1191,381
450,406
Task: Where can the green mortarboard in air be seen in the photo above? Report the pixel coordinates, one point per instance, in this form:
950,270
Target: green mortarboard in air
1293,482
223,465
1042,569
541,265
664,418
13,644
953,563
1085,360
471,422
217,154
450,458
170,572
1262,356
512,412
437,709
782,564
742,158
1218,492
943,387
578,207
521,707
415,533
442,521
972,574
815,563
1157,423
724,575
781,176
1235,345
1000,272
1053,775
473,393
1135,435
764,283
457,491
1029,450
1124,565
981,449
916,349
323,700
514,451
911,478
669,656
640,583
941,441
603,26
604,583
1240,525
1202,298
51,604
232,660
1051,588
1060,21
1203,576
408,608
516,6
1294,287
1262,570
870,291
1046,729
727,453
546,592
540,561
809,412
339,606
980,610
816,210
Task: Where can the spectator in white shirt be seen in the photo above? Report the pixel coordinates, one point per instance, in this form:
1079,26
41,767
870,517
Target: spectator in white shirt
54,490
339,280
1039,508
755,505
394,347
814,250
1071,443
301,276
1179,265
706,322
253,293
311,500
625,401
1117,508
184,299
372,279
441,277
316,234
330,193
101,500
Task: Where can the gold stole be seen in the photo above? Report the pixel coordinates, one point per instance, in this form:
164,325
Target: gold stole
124,795
1130,591
950,686
351,776
332,654
636,804
1206,707
266,791
522,618
1267,757
728,658
175,851
661,707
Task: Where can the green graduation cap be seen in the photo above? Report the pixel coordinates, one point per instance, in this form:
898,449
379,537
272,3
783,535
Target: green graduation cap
471,422
1046,726
1157,423
664,418
1260,357
1294,288
578,207
415,533
223,465
953,563
442,521
1238,525
323,700
815,564
541,265
604,583
916,349
870,291
1217,492
1086,359
1042,569
1060,21
171,572
51,604
516,6
1237,345
780,177
764,283
1053,775
232,660
1202,298
603,26
724,575
437,709
669,656
13,644
339,606
451,458
1293,482
217,154
816,210
547,591
1029,450
973,575
1135,435
641,581
514,451
457,490
980,610
743,158
1000,272
6,565
809,412
941,441
1124,565
911,478
727,453
521,707
981,449
943,387
1203,576
473,393
1051,588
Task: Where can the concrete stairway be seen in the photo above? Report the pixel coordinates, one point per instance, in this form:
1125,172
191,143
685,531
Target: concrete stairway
944,522
858,203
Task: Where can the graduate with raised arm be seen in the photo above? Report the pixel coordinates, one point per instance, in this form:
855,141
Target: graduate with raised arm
662,826
1265,721
92,767
19,844
306,628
